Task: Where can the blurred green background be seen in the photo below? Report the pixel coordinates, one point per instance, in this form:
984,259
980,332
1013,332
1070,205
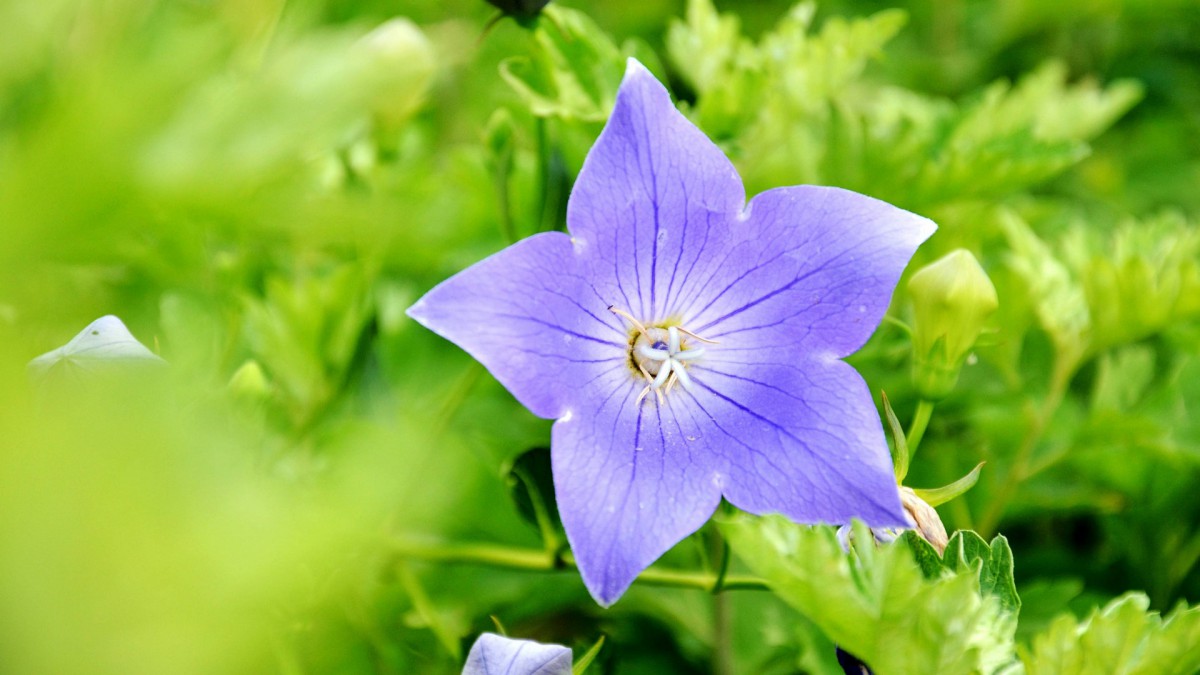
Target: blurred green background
259,189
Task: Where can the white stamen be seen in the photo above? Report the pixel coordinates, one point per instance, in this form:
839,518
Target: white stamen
684,378
663,373
661,364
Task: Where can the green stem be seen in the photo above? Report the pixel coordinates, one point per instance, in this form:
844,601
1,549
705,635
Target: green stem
550,178
536,560
722,608
505,205
456,396
541,512
916,430
543,159
1020,469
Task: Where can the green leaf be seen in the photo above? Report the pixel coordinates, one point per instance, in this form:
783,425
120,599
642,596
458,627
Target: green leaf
795,108
1058,300
877,604
1042,602
899,442
995,565
968,552
531,484
1120,638
939,496
926,556
584,661
575,72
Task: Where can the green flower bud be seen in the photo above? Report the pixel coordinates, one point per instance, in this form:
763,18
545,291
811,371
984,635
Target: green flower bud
401,62
498,138
250,381
952,298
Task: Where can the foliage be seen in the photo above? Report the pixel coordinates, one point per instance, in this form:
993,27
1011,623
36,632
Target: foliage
895,615
260,189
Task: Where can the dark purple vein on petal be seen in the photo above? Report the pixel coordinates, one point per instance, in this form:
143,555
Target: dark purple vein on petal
760,383
513,661
752,450
559,328
616,266
785,432
708,326
654,199
682,247
637,267
585,310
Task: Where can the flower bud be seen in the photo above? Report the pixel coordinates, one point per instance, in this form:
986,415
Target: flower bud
952,298
925,519
402,62
250,381
498,139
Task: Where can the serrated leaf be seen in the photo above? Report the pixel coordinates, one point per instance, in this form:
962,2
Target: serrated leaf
878,605
968,552
1120,638
995,565
924,554
1059,302
576,70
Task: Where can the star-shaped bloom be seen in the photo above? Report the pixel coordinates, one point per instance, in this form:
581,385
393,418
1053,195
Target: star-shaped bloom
497,655
689,344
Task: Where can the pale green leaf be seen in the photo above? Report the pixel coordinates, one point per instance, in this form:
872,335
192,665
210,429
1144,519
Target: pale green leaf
939,496
575,72
584,661
877,604
1120,638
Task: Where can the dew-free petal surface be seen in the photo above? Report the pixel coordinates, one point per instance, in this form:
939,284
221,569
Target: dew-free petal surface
498,655
647,209
528,316
631,481
799,437
811,268
105,345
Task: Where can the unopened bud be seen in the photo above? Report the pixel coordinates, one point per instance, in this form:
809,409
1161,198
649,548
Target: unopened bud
250,381
403,63
952,298
498,138
926,521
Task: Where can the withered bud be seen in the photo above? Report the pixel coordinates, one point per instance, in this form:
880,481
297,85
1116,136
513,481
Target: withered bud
926,521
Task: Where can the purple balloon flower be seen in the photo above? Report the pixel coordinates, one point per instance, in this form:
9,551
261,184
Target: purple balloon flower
497,655
689,344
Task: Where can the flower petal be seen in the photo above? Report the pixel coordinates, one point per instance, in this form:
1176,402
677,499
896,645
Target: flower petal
527,315
631,482
497,655
648,208
798,437
811,268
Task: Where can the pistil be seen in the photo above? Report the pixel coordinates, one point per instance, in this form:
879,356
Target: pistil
661,355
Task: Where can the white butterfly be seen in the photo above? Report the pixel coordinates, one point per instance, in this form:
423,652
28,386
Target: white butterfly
105,345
